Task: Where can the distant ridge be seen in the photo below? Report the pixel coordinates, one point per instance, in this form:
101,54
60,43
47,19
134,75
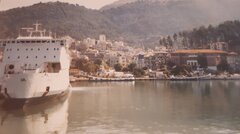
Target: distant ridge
62,18
123,2
140,22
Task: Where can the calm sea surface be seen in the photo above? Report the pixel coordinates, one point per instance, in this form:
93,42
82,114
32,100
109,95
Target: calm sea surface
144,107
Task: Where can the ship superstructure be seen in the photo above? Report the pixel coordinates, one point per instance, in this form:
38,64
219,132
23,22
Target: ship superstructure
34,66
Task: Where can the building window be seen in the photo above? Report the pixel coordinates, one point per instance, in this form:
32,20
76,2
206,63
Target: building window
18,49
38,49
26,49
31,49
18,57
45,57
27,57
36,64
47,49
8,57
54,56
36,57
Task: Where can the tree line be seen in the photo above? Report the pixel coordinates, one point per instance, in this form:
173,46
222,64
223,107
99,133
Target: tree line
202,37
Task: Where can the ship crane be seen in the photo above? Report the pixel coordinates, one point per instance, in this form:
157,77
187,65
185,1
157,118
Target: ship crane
36,31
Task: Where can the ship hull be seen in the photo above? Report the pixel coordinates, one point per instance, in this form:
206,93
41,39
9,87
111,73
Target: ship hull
17,103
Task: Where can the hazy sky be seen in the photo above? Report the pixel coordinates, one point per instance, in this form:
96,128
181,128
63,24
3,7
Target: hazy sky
96,4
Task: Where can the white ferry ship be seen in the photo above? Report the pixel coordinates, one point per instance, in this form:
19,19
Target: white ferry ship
34,67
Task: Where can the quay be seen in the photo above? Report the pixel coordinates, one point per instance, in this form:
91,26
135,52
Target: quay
200,78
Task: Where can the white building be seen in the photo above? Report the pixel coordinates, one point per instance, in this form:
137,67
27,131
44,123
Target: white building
102,38
219,46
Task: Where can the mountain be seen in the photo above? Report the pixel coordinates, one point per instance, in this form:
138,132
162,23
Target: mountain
148,19
139,21
62,18
117,4
123,2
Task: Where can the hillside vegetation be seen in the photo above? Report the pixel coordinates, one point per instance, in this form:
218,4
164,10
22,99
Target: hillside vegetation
62,18
140,22
201,37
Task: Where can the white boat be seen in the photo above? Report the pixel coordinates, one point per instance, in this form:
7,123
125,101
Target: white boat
203,77
34,67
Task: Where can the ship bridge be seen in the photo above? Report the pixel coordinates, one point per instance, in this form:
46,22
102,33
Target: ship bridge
33,51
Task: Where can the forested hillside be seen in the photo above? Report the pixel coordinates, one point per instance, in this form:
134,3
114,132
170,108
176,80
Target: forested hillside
62,18
140,22
201,37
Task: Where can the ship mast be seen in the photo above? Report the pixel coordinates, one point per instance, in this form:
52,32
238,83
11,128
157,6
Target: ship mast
35,32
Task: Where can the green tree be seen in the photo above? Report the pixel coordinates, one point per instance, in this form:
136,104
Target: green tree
98,62
131,67
170,42
223,65
175,37
118,67
138,72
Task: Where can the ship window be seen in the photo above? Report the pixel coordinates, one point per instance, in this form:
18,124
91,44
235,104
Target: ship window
36,64
57,48
8,41
4,44
38,49
52,67
38,41
7,49
44,41
54,49
31,49
10,49
13,41
18,49
44,56
8,57
36,57
47,49
18,57
27,41
26,49
62,43
54,56
22,41
53,41
27,57
33,41
48,41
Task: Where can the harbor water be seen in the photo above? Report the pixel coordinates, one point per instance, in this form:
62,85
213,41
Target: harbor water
141,107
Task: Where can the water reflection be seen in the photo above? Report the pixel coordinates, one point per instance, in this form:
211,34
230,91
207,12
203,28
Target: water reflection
143,107
156,107
48,118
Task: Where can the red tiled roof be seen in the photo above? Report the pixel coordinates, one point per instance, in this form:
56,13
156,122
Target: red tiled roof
200,51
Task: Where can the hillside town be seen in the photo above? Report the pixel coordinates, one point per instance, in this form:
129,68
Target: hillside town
103,59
